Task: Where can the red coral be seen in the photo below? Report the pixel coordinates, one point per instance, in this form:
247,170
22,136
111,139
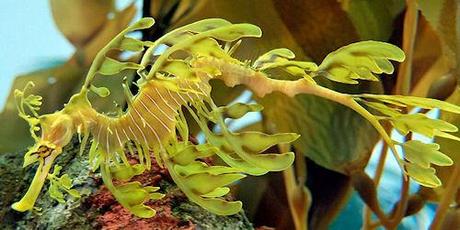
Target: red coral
114,216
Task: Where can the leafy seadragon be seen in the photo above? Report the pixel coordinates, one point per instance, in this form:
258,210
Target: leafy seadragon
178,80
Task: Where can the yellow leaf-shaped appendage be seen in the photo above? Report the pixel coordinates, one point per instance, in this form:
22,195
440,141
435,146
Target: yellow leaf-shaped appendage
360,60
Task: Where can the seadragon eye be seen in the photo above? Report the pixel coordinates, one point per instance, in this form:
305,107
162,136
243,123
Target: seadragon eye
44,151
40,150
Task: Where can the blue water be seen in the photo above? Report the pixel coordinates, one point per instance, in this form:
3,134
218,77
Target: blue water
29,37
30,40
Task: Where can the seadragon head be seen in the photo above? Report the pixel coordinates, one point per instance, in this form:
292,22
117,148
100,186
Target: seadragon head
56,131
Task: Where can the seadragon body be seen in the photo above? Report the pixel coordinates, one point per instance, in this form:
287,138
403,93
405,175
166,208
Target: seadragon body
178,81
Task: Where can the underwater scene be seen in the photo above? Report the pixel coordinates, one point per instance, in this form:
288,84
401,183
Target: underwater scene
230,114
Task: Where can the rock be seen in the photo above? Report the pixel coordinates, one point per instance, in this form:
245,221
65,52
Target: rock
97,209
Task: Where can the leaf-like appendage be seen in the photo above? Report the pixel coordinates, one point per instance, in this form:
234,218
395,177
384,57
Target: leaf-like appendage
424,176
280,58
187,31
420,123
273,56
258,142
249,151
419,155
242,152
234,32
424,155
425,103
383,109
63,183
133,196
132,44
126,172
203,184
237,162
179,69
107,66
206,48
360,60
111,66
100,91
238,110
32,103
201,167
199,39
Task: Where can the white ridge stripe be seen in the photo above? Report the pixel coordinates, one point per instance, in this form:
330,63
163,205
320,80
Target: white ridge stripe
194,91
188,94
118,137
129,127
178,104
185,101
166,102
107,140
140,130
126,135
153,131
199,87
99,134
140,116
159,108
156,135
153,114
